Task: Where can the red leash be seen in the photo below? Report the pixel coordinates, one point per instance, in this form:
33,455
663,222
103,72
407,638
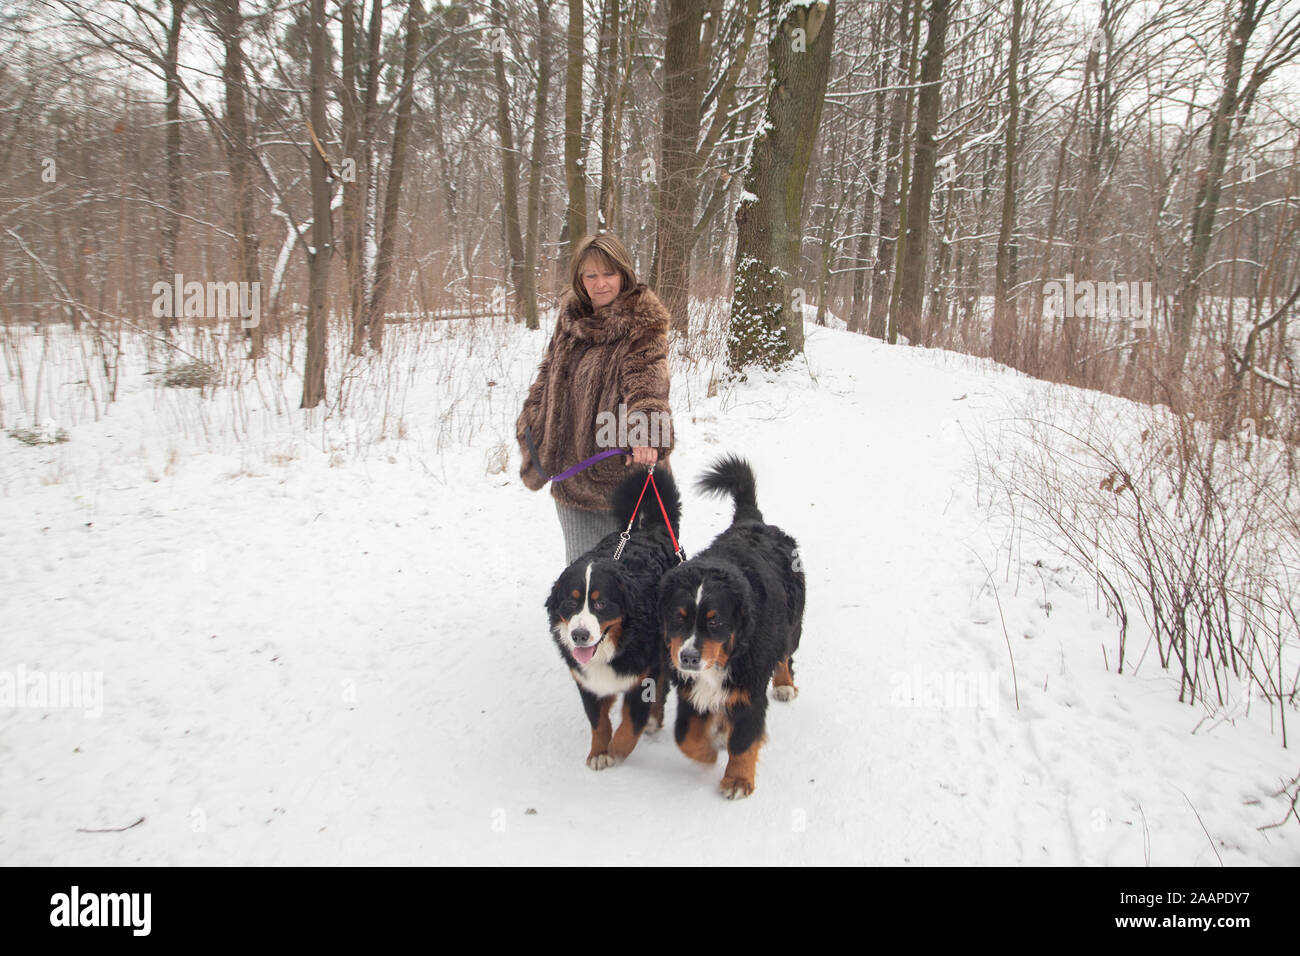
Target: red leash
627,532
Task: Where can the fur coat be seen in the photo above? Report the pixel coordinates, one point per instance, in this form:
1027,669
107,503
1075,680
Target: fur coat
596,362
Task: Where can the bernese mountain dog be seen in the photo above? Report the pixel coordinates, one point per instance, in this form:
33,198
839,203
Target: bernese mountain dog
731,618
604,620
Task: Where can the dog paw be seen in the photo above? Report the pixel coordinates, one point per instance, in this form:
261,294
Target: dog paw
652,726
600,761
785,692
736,788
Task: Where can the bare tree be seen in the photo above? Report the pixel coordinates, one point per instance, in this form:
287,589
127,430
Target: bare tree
1004,314
575,173
912,270
764,329
396,173
528,288
322,237
678,172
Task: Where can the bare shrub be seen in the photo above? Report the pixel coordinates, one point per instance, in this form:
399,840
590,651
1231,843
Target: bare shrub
1195,537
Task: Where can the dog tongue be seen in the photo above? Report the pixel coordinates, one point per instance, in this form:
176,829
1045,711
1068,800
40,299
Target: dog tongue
584,654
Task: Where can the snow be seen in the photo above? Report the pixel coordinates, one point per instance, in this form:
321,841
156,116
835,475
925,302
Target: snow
322,639
790,6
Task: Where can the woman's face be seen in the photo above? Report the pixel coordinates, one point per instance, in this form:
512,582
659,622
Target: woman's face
602,282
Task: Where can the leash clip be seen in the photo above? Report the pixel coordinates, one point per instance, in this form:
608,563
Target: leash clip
622,543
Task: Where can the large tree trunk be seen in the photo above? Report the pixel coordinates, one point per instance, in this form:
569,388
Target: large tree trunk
396,172
509,162
881,278
911,274
239,158
1069,339
862,270
764,329
678,173
357,103
724,120
322,239
1206,205
528,288
1004,313
575,176
607,71
905,170
175,197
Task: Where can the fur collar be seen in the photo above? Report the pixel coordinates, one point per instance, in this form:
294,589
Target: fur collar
634,313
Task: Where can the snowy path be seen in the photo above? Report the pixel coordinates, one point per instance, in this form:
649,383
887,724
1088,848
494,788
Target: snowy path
350,665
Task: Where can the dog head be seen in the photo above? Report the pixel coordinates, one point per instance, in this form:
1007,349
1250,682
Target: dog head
705,613
587,606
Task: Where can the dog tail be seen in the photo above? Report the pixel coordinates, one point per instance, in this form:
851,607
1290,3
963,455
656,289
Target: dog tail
732,475
648,516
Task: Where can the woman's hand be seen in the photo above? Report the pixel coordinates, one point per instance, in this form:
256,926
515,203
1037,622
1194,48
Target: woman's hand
642,456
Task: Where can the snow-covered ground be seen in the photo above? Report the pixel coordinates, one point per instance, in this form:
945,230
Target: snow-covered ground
320,645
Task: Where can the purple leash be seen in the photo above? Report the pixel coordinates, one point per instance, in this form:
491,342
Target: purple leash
569,473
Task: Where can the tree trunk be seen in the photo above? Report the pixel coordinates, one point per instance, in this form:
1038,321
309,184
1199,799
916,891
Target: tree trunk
509,161
528,290
354,168
607,72
862,270
912,270
764,330
318,257
1206,205
1004,313
175,197
396,172
240,160
575,178
678,173
905,170
881,283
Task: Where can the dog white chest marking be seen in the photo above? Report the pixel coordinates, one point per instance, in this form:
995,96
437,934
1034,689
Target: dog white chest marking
601,679
707,694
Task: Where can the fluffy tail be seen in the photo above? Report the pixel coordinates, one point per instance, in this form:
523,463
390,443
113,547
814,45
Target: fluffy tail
732,475
623,500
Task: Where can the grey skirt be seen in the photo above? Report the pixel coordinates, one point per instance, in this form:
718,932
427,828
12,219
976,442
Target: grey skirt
583,529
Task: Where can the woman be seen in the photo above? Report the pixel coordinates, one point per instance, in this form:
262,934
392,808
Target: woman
606,365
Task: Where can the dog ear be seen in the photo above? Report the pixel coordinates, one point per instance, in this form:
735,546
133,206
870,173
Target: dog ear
745,611
668,586
739,585
620,574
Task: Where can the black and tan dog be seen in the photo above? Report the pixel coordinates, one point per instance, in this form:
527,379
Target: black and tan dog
604,620
731,617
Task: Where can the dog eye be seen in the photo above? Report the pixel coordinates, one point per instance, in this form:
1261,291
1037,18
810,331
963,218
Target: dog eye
714,622
598,605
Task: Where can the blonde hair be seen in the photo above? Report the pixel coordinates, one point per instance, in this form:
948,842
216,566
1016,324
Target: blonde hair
611,252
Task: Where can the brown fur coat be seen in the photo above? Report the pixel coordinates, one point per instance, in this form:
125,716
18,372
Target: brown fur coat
594,363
